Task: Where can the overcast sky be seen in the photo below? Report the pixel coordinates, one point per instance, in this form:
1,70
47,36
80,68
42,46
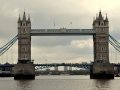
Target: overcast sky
43,13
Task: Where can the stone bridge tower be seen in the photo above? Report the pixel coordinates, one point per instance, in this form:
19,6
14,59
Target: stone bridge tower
24,40
101,39
101,67
24,69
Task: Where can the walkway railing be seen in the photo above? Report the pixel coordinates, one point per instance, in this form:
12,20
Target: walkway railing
61,32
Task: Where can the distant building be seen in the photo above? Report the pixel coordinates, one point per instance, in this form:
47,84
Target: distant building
56,68
65,68
84,62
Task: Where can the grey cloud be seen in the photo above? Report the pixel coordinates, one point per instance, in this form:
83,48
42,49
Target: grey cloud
43,14
51,41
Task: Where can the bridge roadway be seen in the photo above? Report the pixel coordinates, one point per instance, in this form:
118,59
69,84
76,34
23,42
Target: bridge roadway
87,66
61,32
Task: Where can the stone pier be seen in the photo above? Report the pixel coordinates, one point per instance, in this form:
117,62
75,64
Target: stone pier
24,71
102,71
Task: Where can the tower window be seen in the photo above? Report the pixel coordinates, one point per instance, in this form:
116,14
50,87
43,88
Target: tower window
24,30
24,56
23,24
24,48
102,57
24,40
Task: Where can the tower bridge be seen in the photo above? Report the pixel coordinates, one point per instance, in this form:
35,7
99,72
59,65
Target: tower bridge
62,32
101,68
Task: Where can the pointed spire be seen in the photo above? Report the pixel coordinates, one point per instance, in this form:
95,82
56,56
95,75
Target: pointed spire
24,17
19,19
100,16
29,18
106,18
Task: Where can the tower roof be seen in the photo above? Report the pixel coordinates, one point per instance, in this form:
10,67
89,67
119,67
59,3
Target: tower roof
24,17
19,19
100,16
106,18
29,18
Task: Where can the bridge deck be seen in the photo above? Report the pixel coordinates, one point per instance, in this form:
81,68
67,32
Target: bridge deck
61,32
56,64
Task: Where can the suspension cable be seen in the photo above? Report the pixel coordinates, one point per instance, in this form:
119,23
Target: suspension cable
2,59
6,48
12,54
116,56
9,42
111,52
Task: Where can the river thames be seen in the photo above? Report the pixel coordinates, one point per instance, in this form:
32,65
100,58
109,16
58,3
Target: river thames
60,82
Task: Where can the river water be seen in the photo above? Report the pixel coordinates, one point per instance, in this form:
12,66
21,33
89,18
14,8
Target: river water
73,82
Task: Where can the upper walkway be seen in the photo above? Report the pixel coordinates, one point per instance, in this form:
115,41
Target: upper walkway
61,32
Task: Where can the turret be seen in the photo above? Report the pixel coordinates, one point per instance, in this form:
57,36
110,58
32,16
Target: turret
99,21
101,46
24,22
29,22
106,21
24,39
19,21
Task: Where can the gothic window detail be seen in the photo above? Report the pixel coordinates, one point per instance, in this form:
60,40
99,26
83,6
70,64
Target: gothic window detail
24,48
24,56
102,40
102,48
102,57
24,40
24,30
24,24
101,23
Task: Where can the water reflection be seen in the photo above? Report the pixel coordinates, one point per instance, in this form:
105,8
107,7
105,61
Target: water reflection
102,84
60,83
24,84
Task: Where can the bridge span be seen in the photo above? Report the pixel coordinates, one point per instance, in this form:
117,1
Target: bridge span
101,40
87,66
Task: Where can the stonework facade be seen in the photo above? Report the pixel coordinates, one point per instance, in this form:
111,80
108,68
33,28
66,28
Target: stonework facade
24,39
24,69
100,39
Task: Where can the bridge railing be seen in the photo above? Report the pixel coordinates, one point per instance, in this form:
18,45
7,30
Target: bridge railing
62,31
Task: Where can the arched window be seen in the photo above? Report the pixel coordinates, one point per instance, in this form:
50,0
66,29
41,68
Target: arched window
24,56
24,24
24,30
24,48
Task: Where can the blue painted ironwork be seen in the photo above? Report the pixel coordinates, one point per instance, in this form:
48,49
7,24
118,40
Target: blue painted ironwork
42,66
61,32
4,48
114,43
48,32
87,66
